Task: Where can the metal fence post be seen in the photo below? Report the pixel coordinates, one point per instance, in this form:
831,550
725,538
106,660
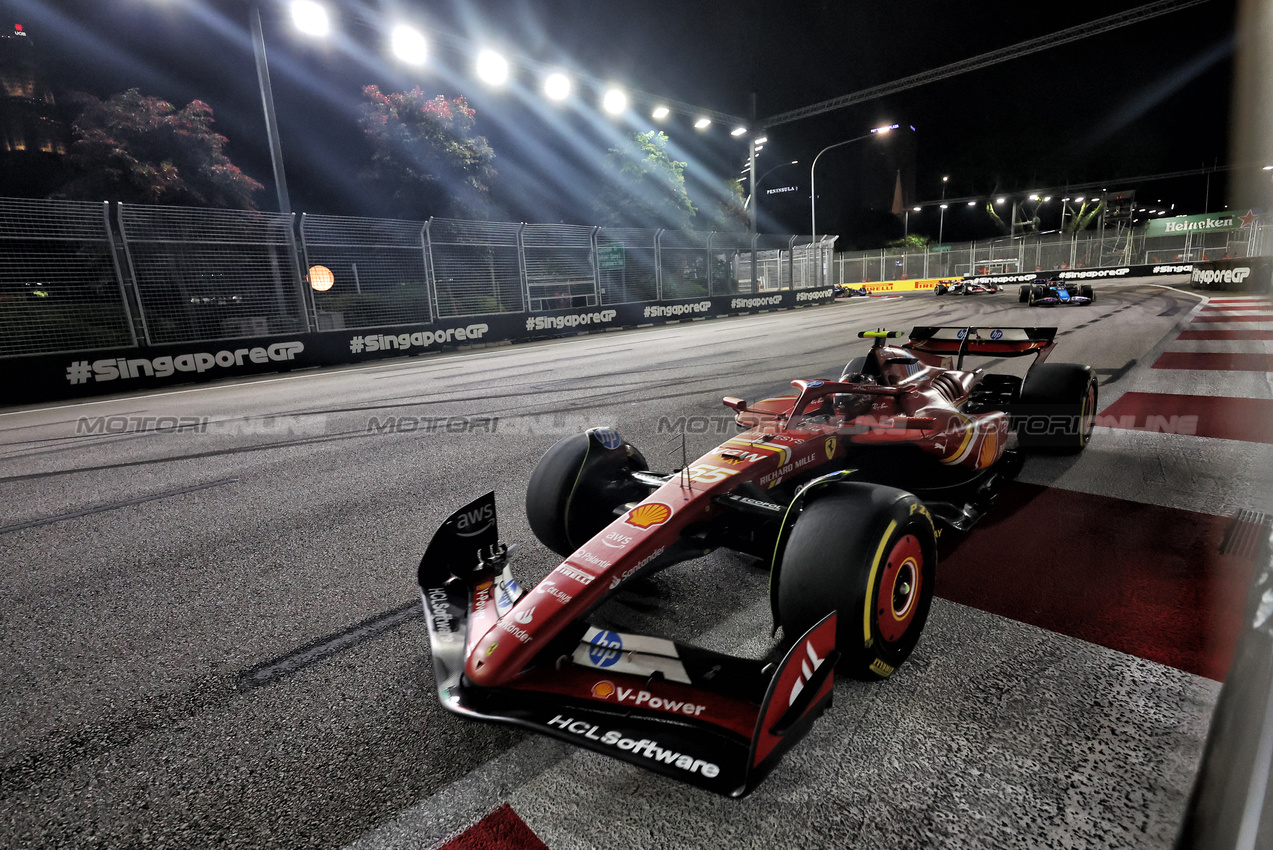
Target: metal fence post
596,263
430,276
521,266
755,280
308,303
119,274
658,264
132,274
710,235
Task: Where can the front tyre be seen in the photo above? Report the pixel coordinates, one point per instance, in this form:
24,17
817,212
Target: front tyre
579,484
1023,294
1057,407
869,553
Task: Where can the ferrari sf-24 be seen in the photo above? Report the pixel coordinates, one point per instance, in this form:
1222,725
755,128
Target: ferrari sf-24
842,487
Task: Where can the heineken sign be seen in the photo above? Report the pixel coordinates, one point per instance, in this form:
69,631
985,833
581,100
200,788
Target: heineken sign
1209,223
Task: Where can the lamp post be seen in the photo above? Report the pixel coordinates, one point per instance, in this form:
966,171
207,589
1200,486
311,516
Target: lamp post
813,193
941,223
906,226
751,199
267,104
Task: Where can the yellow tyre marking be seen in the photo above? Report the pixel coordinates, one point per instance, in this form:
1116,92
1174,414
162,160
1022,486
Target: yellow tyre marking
870,583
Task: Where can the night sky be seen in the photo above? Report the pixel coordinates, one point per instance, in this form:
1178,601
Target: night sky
1145,99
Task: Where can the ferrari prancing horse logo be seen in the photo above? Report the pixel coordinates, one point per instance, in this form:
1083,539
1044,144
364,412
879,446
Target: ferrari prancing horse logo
830,447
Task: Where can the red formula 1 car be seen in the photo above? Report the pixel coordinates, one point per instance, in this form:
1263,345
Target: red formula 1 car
842,487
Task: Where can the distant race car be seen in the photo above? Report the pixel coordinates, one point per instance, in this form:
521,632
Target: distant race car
1054,292
842,487
843,290
964,287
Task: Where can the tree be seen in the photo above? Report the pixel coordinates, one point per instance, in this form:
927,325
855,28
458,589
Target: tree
909,243
644,186
725,210
143,150
426,159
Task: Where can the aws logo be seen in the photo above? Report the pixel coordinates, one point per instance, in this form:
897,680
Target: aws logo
474,522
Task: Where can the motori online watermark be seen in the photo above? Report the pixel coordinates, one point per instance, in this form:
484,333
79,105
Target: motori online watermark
307,425
433,425
1034,424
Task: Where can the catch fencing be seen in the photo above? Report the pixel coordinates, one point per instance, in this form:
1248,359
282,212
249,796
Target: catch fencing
60,285
87,276
1051,252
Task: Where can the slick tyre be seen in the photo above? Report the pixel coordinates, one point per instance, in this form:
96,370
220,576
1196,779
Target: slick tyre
1023,294
1057,407
577,487
1085,291
869,553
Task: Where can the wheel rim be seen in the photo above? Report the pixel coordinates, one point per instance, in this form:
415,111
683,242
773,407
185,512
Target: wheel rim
1088,414
900,589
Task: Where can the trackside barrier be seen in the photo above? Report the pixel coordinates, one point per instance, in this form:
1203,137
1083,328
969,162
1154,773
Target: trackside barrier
922,285
1053,251
93,372
1247,274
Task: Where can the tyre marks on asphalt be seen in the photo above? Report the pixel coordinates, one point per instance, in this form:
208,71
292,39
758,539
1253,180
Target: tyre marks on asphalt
319,649
114,506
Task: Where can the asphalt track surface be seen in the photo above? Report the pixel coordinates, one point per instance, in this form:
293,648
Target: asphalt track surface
212,637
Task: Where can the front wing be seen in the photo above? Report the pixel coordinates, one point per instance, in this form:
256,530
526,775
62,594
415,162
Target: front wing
706,718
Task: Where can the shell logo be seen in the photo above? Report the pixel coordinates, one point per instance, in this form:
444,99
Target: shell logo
603,690
648,515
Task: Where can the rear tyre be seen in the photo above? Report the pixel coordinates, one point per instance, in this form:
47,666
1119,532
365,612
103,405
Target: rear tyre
578,485
1023,294
1085,291
1057,407
869,553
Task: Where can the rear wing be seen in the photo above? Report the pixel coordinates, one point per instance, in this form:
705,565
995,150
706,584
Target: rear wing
984,342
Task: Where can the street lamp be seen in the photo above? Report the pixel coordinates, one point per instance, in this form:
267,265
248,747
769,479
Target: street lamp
813,194
941,223
267,104
756,186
